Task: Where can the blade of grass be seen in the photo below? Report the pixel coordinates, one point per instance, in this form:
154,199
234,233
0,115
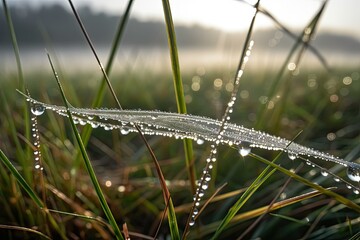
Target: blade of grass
259,211
26,153
21,180
87,162
114,47
94,52
179,90
263,176
302,40
24,229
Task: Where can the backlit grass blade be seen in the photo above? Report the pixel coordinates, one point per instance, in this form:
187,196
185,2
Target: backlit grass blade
179,90
88,165
315,186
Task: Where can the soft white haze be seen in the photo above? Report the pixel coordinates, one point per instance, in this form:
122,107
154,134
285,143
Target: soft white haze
230,15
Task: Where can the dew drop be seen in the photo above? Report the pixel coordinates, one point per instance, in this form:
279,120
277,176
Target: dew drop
205,186
124,131
207,177
82,122
292,156
196,211
94,124
192,222
37,109
353,174
356,191
201,193
244,150
336,179
324,173
200,141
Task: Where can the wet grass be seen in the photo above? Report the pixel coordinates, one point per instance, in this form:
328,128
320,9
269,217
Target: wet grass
62,202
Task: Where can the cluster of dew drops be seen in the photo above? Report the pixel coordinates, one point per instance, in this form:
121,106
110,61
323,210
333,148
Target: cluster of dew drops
36,110
244,149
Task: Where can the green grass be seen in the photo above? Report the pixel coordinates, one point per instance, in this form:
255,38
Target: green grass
119,171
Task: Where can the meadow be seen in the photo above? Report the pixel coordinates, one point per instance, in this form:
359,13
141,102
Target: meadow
148,194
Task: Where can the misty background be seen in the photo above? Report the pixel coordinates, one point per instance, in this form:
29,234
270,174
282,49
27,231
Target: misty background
144,43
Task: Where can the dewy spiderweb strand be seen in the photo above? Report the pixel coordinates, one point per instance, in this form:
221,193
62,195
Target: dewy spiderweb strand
199,129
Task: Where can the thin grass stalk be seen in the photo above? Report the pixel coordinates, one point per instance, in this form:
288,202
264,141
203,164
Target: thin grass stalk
94,52
87,162
241,217
114,47
312,49
166,193
291,34
179,90
20,73
24,229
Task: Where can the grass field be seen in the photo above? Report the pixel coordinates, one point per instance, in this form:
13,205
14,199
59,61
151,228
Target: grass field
317,108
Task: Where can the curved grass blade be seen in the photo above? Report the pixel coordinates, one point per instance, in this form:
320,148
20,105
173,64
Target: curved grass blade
24,229
87,162
179,90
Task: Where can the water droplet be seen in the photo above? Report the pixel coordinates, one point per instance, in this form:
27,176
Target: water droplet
124,131
37,109
292,156
324,173
244,150
192,222
94,124
200,141
207,177
356,191
196,211
336,179
82,122
205,186
201,193
353,174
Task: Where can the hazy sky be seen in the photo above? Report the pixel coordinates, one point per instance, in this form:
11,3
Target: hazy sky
231,15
